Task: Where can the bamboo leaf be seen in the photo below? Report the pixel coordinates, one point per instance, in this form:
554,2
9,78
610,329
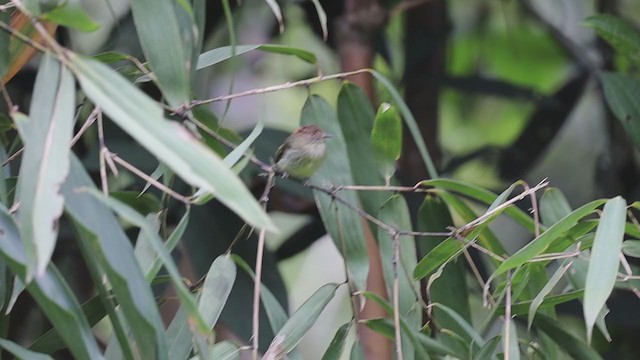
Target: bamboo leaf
45,163
142,118
166,35
605,260
301,321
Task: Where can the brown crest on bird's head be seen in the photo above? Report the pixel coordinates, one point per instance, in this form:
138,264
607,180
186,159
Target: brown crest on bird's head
313,132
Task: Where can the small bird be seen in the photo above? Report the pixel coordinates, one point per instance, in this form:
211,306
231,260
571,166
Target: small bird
303,152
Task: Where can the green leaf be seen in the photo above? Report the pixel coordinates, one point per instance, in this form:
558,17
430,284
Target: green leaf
275,313
110,57
172,241
605,260
45,162
275,8
21,353
167,44
621,92
539,299
343,224
100,231
223,350
412,334
201,197
356,121
620,35
385,327
50,342
179,336
71,15
322,18
538,245
138,220
486,238
631,248
386,139
142,118
522,308
567,339
301,321
468,333
56,300
482,195
216,289
411,123
553,206
336,347
220,54
451,287
486,352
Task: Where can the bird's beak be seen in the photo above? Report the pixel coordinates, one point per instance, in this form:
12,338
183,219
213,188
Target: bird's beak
328,136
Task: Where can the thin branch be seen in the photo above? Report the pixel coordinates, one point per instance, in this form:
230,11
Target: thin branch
390,229
7,98
103,155
6,7
149,179
269,89
416,188
256,295
91,119
22,37
258,279
396,296
506,204
507,317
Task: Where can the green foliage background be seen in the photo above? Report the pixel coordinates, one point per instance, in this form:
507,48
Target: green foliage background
131,169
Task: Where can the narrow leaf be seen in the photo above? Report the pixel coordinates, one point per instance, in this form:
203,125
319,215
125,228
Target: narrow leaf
183,293
167,45
538,245
21,353
605,260
342,223
622,36
71,15
621,92
539,299
45,163
336,347
576,347
302,320
142,118
386,138
216,289
100,231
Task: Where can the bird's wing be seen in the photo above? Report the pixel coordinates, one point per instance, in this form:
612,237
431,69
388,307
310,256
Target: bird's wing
281,150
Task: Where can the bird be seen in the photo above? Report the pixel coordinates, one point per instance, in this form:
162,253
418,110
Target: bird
302,152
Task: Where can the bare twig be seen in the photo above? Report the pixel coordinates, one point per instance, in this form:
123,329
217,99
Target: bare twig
104,154
258,279
42,31
396,296
6,7
7,98
273,88
507,317
22,37
148,178
506,204
416,188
